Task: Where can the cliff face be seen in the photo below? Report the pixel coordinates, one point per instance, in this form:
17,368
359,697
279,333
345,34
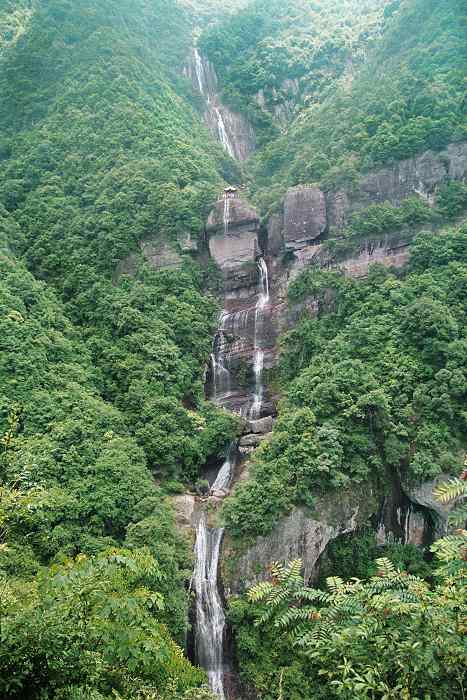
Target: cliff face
231,128
292,241
421,176
406,515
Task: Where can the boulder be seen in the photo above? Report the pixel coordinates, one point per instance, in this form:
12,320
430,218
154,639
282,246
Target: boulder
252,440
304,216
228,216
184,508
262,425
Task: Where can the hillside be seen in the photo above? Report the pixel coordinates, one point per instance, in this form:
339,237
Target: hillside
233,252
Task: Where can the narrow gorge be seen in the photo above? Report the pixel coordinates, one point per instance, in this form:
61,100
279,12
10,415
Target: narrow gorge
233,349
258,262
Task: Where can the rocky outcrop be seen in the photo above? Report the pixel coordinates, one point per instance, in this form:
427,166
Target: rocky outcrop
304,216
280,102
422,495
232,231
420,176
231,128
160,254
302,535
390,251
184,506
407,515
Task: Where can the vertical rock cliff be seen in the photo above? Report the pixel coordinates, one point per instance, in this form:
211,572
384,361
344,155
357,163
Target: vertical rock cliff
229,127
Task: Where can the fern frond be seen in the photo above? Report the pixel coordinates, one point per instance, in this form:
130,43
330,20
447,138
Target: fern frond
451,490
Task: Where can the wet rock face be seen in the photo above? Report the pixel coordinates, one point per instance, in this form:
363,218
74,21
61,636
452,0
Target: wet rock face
232,229
304,216
231,128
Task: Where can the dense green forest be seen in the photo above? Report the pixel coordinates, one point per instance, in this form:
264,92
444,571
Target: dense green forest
103,409
387,82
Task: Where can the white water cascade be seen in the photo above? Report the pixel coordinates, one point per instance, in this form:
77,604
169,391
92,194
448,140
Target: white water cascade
210,618
258,365
224,476
222,131
226,215
199,70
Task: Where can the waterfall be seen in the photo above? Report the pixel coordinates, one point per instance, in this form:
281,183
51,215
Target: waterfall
224,476
258,364
226,215
220,375
223,136
199,70
210,618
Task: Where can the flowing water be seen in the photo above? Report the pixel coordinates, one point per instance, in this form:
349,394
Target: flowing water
199,70
226,215
225,474
258,364
222,131
210,618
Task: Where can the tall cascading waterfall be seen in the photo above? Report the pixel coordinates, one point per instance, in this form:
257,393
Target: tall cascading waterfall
199,70
210,617
222,131
231,128
258,365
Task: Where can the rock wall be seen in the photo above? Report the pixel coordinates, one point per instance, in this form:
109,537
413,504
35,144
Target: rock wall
231,128
300,535
308,213
406,515
420,176
233,235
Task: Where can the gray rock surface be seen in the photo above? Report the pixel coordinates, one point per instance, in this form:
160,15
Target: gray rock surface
253,440
423,496
262,425
420,176
231,128
303,535
184,509
160,255
304,216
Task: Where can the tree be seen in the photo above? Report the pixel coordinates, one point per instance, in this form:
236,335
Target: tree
387,637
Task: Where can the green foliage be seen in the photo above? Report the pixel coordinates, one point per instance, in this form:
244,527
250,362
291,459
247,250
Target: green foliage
288,52
376,82
454,493
91,626
100,374
376,382
387,637
355,554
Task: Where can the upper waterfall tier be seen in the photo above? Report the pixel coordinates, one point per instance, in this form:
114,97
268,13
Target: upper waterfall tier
232,228
231,128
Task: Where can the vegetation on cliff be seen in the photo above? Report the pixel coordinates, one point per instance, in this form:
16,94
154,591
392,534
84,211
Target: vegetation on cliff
102,407
376,381
390,636
379,82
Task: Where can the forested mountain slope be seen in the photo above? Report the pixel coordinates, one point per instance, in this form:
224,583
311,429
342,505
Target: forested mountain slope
125,283
101,147
375,82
